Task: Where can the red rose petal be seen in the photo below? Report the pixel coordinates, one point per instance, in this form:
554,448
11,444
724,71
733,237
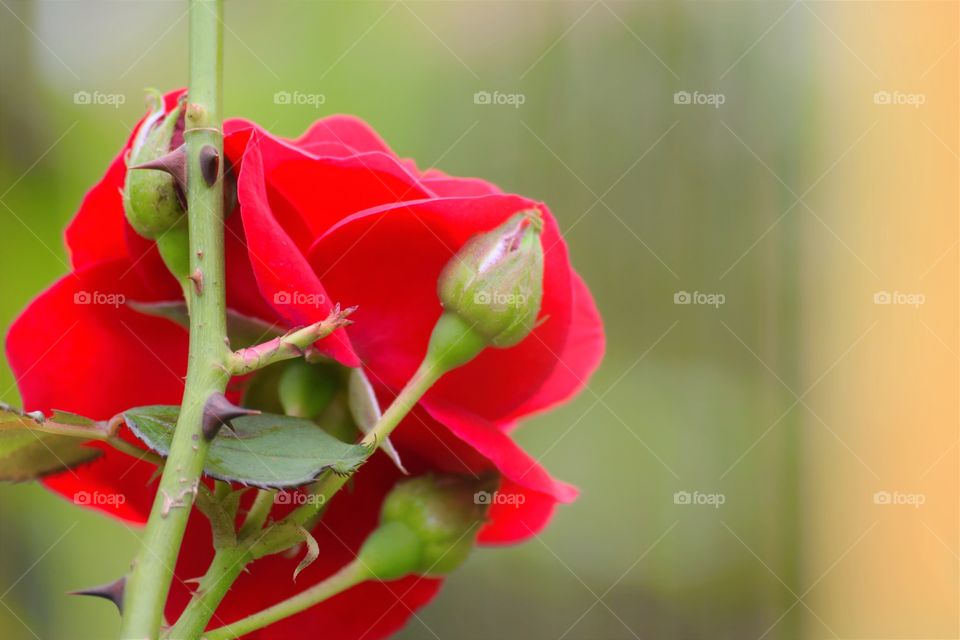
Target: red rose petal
325,190
579,358
517,513
284,278
449,186
97,231
388,260
98,360
503,453
351,134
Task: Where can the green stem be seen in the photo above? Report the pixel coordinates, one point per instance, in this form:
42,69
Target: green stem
228,563
149,582
349,576
258,512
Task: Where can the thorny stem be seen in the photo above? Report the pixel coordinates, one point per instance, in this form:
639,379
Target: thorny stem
149,583
292,344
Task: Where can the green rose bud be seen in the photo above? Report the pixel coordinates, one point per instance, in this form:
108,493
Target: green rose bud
152,198
305,390
153,193
428,526
495,282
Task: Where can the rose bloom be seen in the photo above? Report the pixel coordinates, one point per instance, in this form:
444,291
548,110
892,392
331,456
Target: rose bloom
332,216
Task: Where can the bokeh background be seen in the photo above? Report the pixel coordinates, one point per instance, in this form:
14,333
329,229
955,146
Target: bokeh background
813,169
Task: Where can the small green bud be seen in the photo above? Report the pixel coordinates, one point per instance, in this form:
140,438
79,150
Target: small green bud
153,193
495,282
428,526
306,389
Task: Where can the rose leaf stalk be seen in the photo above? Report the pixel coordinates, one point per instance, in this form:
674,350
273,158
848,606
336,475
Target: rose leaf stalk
149,582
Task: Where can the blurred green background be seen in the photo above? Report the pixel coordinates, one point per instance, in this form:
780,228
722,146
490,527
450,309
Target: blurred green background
655,198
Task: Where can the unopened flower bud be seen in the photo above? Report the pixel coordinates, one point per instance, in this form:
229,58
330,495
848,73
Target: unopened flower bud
153,195
495,282
428,526
305,390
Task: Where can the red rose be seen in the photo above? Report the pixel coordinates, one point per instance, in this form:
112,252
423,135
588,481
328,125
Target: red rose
333,216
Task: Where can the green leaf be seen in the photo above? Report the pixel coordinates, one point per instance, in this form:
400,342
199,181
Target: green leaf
32,446
266,450
244,331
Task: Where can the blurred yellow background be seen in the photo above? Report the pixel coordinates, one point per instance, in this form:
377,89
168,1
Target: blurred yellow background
763,197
